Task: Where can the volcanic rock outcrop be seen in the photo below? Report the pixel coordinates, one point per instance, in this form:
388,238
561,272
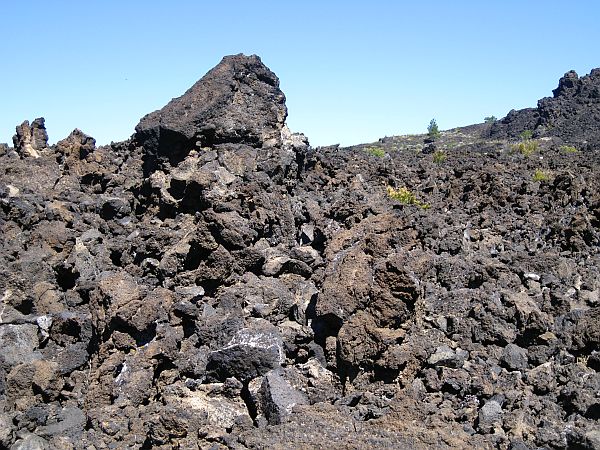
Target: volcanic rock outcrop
31,139
215,282
237,102
572,114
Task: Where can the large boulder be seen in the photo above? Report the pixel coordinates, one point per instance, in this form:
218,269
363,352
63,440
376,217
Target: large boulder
238,101
253,351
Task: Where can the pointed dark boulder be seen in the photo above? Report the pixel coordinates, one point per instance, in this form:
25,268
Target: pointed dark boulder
238,101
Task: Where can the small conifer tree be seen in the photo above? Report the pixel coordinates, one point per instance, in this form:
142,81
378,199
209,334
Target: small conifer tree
433,130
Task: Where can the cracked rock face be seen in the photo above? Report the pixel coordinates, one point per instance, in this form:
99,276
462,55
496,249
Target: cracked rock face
215,282
31,139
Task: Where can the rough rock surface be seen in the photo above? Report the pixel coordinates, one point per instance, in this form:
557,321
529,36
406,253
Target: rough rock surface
215,282
572,114
239,101
31,139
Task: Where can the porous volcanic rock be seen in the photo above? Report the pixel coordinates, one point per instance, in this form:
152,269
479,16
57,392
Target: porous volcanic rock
572,114
29,140
215,282
237,102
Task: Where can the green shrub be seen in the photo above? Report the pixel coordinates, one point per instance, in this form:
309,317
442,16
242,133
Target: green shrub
432,130
568,149
406,197
541,175
526,135
526,148
376,151
490,119
439,156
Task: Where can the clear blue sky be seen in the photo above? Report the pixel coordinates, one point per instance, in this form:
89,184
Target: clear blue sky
352,71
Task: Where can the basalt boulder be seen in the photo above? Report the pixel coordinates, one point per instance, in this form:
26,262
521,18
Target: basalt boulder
238,101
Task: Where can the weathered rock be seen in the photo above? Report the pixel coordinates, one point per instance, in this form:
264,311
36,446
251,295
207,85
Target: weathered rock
238,101
445,356
279,397
31,139
490,416
30,442
5,430
19,344
215,282
253,351
571,114
515,357
47,379
77,144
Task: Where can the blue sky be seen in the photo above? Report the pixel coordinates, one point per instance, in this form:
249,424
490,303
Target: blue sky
351,71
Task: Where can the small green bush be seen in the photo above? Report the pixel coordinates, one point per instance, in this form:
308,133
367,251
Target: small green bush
439,156
568,149
526,148
432,130
540,176
490,119
526,135
406,197
376,151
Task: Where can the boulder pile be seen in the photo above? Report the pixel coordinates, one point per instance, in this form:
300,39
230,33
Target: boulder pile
216,282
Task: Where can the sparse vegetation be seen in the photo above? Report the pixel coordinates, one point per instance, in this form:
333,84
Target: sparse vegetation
526,148
541,175
490,119
406,197
432,130
568,149
439,156
376,151
526,135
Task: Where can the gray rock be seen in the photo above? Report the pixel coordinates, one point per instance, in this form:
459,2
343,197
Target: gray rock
69,422
515,357
490,416
193,293
592,439
307,233
31,442
18,344
445,356
74,356
274,266
6,429
531,276
279,397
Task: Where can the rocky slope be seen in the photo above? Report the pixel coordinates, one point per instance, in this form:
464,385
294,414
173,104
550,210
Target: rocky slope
215,282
